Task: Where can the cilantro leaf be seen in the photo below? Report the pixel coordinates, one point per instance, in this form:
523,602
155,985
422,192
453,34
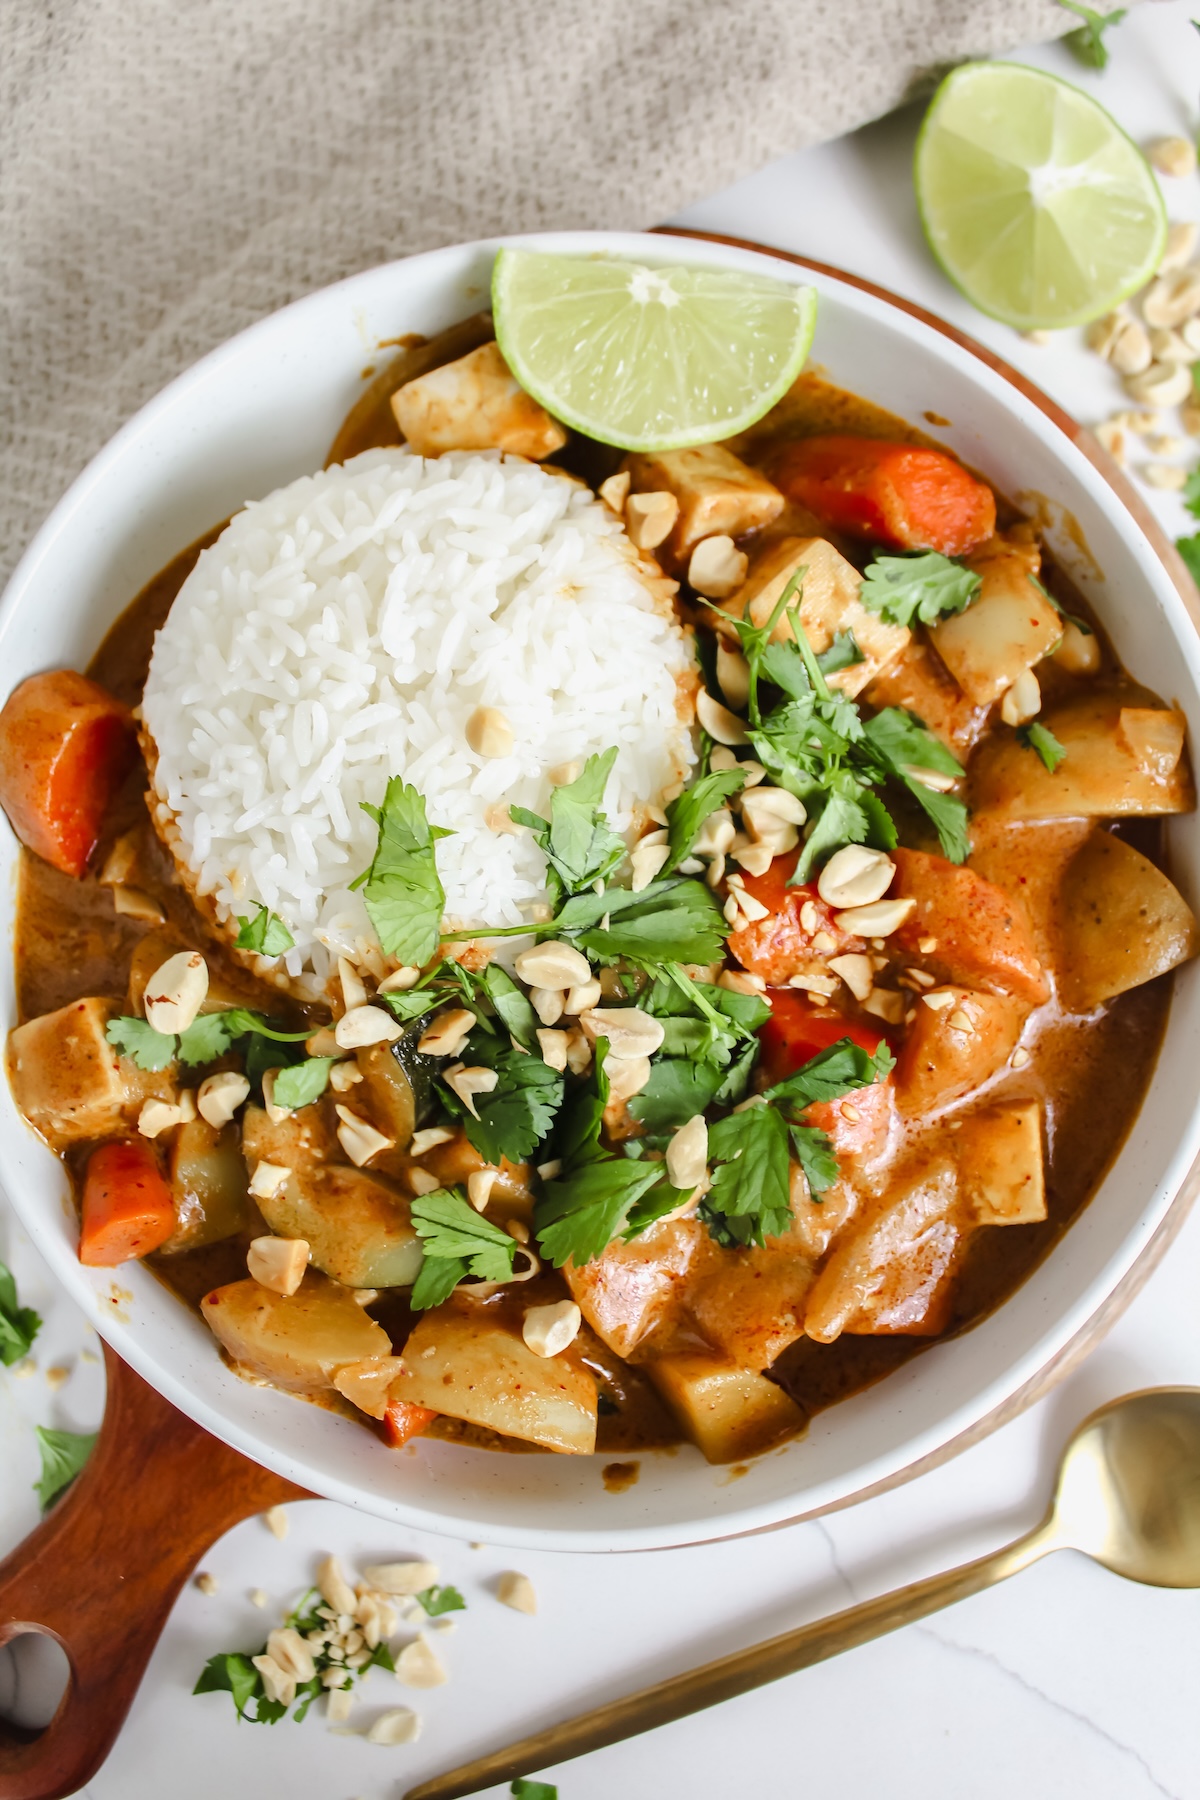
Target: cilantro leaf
412,1003
401,890
843,653
303,1082
842,820
438,1600
581,1212
1191,487
1042,739
522,1789
815,1154
580,848
687,813
240,1022
206,1038
63,1455
510,1002
1087,40
519,1112
19,1325
232,1673
137,1039
1189,549
677,1090
457,1241
904,747
265,933
832,1073
579,1122
750,1183
902,589
668,921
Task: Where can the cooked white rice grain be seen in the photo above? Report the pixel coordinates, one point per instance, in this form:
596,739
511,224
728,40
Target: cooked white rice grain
344,630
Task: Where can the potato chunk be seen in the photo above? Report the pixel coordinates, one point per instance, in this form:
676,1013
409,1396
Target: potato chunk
829,603
298,1341
475,404
919,682
634,1294
1120,923
464,1360
68,1080
951,1049
1005,630
1121,761
208,1186
890,1272
718,494
751,1307
728,1413
999,1153
358,1229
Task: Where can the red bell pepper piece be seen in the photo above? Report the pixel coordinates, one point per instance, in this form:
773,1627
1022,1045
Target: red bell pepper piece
898,495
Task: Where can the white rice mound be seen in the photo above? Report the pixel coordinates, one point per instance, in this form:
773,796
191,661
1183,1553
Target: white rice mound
344,629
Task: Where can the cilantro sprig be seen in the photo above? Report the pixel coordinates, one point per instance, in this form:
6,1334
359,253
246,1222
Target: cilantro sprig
402,890
233,1672
19,1325
457,1242
580,846
924,587
208,1037
688,811
516,1116
1087,40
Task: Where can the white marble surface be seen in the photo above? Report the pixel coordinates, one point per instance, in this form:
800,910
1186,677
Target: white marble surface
1066,1681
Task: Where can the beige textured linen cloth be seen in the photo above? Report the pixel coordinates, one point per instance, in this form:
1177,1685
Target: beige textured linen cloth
171,170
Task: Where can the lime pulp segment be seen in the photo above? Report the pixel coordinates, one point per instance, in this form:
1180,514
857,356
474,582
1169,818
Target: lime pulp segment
1035,202
649,358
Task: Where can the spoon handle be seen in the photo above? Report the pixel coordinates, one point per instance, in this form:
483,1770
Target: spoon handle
737,1674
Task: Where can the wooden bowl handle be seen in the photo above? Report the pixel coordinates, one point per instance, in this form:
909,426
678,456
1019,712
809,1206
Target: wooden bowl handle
101,1572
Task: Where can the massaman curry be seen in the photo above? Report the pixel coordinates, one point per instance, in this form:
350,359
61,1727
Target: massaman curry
810,1072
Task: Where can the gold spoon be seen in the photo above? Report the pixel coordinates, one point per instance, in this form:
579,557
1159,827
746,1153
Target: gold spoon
1128,1495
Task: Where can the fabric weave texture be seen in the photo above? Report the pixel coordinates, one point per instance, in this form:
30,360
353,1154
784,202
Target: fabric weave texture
170,173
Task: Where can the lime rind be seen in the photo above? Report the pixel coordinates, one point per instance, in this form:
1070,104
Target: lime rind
579,335
990,238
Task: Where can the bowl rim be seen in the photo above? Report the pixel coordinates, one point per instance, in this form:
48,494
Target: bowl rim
994,1400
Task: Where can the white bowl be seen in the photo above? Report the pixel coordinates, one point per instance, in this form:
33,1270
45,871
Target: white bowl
264,409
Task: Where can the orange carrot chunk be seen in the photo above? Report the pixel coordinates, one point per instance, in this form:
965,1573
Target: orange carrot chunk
403,1420
127,1210
66,746
897,495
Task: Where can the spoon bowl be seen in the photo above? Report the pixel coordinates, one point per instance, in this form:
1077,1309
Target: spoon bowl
1128,1491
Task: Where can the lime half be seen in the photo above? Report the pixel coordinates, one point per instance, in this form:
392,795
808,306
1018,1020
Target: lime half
1033,199
649,358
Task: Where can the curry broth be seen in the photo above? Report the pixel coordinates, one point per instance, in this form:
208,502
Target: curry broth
1090,1073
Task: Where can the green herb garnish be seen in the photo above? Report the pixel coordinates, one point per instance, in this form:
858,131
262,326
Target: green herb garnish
687,813
843,653
669,921
1087,40
63,1455
137,1039
303,1082
925,587
457,1242
233,1672
580,847
517,1114
19,1325
265,933
209,1036
1042,739
438,1600
401,890
523,1789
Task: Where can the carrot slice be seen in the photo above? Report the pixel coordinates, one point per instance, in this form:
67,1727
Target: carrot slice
66,746
404,1420
898,495
127,1209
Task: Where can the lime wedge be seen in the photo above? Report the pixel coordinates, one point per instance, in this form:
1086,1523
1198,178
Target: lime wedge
649,358
1033,199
